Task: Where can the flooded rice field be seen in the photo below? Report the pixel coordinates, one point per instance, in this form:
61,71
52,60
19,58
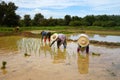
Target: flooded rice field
31,59
97,37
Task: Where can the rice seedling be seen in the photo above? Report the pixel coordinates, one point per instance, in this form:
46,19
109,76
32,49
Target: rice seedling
3,65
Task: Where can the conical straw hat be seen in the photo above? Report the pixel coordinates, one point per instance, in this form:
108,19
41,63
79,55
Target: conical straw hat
83,41
54,37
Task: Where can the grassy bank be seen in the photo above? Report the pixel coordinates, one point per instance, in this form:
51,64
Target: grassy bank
79,29
117,28
69,29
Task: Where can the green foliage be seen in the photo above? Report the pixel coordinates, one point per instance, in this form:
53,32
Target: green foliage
27,20
76,18
44,22
89,20
102,17
67,19
108,23
100,20
6,29
8,16
75,23
37,19
97,23
51,22
3,6
60,22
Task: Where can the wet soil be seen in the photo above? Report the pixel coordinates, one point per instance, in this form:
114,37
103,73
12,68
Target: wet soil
49,63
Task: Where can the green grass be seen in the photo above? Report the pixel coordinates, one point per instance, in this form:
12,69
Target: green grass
69,29
102,28
6,29
45,28
72,28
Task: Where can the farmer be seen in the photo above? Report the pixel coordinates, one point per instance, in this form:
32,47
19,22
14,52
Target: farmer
45,35
83,43
17,29
60,38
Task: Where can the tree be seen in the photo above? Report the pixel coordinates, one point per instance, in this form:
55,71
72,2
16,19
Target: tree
75,23
116,19
27,20
102,17
89,19
52,22
60,22
97,23
37,19
67,19
8,16
3,7
108,24
111,23
76,18
44,22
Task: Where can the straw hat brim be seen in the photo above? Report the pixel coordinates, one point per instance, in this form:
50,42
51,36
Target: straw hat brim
83,41
54,37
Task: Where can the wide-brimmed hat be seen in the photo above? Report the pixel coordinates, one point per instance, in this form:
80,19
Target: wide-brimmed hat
83,41
54,37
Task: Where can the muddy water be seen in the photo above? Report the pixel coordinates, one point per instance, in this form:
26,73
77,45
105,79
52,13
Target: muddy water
45,63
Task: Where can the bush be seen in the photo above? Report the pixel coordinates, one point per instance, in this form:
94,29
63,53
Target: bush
97,23
108,24
75,23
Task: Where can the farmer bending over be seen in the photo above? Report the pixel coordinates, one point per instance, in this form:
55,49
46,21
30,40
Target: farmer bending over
83,43
60,38
45,35
17,29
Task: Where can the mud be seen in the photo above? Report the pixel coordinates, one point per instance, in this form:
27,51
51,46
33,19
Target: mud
50,63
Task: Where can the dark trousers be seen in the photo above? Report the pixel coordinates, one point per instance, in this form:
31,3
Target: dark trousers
59,43
87,48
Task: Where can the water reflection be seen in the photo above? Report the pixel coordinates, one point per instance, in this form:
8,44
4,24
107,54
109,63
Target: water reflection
4,71
60,56
29,45
108,38
34,46
9,42
83,63
45,47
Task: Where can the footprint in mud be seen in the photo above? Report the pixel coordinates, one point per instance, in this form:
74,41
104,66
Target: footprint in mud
14,70
67,64
95,54
111,73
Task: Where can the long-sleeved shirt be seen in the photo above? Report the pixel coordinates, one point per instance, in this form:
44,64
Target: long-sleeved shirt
62,37
46,34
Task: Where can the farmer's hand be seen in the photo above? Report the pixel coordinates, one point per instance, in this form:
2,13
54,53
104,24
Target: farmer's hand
52,43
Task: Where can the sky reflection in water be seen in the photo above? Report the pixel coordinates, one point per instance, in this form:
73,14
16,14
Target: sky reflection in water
107,38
